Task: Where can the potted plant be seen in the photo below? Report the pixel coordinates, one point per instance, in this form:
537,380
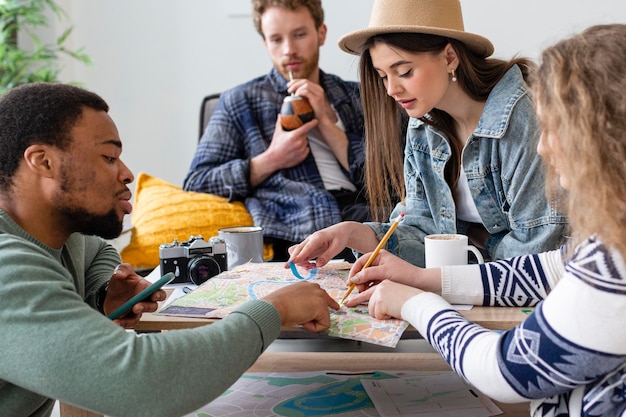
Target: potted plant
20,63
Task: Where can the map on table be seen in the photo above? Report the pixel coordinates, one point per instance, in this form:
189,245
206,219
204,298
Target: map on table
325,393
220,295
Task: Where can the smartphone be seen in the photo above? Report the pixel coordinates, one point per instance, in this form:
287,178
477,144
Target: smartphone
143,295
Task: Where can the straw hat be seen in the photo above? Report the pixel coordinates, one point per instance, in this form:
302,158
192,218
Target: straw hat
435,17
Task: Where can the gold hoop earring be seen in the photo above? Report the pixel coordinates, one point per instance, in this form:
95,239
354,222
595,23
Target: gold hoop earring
453,76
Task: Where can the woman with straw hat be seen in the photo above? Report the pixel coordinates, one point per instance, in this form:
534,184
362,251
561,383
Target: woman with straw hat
569,356
469,165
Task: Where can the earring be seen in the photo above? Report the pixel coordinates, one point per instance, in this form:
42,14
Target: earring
453,76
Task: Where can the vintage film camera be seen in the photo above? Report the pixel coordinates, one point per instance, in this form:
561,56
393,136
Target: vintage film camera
194,260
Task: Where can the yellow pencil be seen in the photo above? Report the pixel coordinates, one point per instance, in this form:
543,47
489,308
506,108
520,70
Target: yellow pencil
374,254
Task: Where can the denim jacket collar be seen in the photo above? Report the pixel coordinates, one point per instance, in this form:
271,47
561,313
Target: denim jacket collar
498,107
500,103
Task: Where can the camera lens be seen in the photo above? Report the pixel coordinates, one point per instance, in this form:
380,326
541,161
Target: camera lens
202,268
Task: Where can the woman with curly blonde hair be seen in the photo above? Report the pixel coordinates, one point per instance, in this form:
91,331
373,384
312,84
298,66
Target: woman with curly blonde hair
582,85
569,356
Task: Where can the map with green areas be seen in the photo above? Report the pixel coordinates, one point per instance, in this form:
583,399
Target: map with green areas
220,295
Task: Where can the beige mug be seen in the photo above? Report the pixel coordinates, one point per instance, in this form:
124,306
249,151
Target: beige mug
448,249
243,244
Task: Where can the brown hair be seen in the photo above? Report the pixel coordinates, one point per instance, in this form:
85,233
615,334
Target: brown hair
385,121
260,6
581,90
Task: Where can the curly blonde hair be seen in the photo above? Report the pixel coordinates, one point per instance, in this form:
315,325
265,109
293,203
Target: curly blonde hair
580,87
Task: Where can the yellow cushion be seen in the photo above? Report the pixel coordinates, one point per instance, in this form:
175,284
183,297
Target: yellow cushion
163,212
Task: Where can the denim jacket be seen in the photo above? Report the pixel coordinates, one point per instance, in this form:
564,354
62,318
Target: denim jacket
505,175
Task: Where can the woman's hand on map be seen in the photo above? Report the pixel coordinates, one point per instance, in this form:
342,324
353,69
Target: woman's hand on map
303,303
388,267
387,299
324,244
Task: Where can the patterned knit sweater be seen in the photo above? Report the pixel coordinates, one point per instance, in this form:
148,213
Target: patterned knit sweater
568,357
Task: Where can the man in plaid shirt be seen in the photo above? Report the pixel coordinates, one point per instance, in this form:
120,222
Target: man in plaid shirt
292,182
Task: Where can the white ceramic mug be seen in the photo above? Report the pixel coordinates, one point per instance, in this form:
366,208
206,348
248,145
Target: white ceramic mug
448,249
243,244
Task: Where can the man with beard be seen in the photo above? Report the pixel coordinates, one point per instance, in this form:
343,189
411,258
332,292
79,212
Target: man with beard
292,182
63,187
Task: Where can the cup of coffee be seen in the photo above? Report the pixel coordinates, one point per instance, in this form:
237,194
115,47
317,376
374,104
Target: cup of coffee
243,244
449,249
295,111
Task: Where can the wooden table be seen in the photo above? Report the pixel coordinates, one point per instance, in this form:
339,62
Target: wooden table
495,318
344,361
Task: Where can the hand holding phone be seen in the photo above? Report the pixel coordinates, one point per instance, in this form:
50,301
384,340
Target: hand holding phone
142,296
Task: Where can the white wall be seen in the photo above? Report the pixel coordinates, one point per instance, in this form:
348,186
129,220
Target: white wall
154,60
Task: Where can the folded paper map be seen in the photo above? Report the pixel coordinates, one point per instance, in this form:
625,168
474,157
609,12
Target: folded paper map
220,295
370,394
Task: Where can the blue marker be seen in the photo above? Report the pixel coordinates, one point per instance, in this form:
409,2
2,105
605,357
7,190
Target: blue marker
295,272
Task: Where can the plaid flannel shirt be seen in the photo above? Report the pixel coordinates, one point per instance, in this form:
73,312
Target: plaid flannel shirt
292,203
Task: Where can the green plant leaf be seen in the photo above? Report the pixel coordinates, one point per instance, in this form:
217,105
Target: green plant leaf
41,61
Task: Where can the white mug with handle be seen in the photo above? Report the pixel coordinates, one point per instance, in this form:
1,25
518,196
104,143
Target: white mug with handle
449,249
243,244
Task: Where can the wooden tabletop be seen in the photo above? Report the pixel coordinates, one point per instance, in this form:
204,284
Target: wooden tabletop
343,361
495,318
